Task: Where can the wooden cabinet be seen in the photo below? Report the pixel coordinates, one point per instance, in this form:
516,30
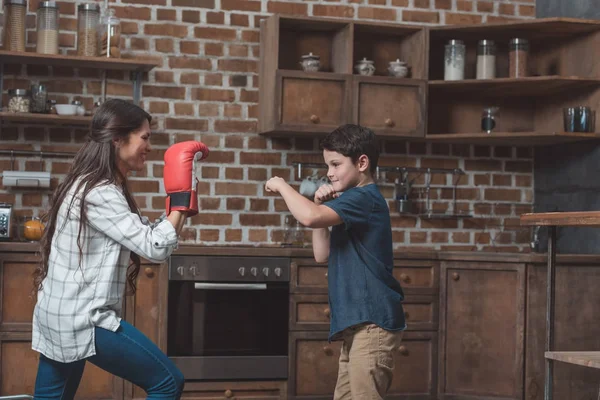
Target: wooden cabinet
308,276
482,326
275,390
576,329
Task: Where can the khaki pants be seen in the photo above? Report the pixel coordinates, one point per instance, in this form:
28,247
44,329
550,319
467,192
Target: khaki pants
366,362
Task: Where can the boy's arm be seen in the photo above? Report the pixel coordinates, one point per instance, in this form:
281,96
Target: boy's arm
320,244
305,211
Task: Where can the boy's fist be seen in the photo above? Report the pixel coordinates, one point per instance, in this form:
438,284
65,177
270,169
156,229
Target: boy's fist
324,193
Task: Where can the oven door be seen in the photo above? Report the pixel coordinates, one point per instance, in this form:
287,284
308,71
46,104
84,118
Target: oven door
220,330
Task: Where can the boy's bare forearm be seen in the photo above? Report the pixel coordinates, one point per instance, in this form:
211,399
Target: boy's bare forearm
320,244
300,207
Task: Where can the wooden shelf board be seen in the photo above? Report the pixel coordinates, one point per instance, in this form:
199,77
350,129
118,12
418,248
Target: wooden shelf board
541,28
17,57
571,218
51,119
529,86
585,358
512,138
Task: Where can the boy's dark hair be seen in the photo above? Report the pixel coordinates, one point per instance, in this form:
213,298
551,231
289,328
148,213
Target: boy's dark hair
353,141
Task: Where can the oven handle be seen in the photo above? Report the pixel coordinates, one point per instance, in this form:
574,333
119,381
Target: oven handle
230,286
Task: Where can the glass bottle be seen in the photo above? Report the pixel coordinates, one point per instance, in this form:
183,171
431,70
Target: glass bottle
15,12
486,59
88,16
47,28
109,36
517,57
454,60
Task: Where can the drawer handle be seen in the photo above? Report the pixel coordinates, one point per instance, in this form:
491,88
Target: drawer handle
455,276
327,312
403,350
228,393
404,278
314,119
326,274
389,122
149,272
406,315
328,351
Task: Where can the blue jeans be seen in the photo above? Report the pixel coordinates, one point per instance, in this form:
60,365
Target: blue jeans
126,353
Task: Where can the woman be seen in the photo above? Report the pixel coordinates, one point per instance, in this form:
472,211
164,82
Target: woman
90,254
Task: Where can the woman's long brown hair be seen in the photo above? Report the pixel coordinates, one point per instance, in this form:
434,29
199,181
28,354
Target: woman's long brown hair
95,163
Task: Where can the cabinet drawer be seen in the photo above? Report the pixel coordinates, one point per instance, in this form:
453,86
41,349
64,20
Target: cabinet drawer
308,276
311,312
314,366
417,277
256,390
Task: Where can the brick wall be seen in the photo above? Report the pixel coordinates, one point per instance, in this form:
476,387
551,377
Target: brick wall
206,89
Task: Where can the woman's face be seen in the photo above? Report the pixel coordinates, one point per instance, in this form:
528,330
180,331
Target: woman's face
131,153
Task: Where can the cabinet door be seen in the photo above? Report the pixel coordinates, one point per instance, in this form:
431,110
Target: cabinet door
417,277
312,103
307,276
16,303
147,310
576,328
482,324
392,107
256,390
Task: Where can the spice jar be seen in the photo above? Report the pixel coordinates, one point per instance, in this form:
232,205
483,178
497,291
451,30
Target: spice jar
19,100
486,59
517,57
14,25
88,16
39,96
47,28
109,36
454,60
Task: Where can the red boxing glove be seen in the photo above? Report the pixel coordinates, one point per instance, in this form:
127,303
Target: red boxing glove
179,176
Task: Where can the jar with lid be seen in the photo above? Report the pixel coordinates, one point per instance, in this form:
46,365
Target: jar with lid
47,27
15,12
88,17
39,96
486,59
19,100
517,57
109,36
454,60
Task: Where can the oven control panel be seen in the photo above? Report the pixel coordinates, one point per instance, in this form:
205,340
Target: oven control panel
229,269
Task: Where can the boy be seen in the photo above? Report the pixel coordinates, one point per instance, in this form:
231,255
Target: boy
365,298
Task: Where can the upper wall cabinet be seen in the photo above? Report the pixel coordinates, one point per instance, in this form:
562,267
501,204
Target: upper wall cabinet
295,102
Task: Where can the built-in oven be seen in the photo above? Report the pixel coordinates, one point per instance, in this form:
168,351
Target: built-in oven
228,317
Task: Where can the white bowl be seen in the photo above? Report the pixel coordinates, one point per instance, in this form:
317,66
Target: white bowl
66,109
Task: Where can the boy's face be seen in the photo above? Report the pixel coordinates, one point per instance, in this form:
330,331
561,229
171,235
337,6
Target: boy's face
342,172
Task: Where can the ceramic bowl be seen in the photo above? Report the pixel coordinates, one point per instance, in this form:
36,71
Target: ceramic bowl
66,109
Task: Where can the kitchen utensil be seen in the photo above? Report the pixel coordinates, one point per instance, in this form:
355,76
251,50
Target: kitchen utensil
308,187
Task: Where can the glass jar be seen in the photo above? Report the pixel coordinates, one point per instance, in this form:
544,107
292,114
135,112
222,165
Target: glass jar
88,16
39,97
517,57
486,59
15,12
47,28
454,60
19,100
488,119
109,36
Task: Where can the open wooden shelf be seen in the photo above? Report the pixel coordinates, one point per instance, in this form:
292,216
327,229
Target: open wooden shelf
517,87
50,119
512,138
17,57
571,218
585,358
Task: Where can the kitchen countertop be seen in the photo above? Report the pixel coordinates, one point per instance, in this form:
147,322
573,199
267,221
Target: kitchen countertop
249,251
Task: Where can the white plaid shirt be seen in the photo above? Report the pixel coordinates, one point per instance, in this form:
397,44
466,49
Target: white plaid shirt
76,299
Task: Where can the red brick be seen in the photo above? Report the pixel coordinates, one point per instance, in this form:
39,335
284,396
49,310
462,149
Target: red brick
462,19
215,18
432,17
443,4
234,173
464,5
485,6
165,14
384,14
212,95
163,76
503,195
169,92
190,16
502,180
215,34
233,126
519,166
143,186
173,30
184,109
234,142
320,10
236,189
164,45
483,165
211,219
199,125
526,11
159,107
260,219
418,237
193,3
506,9
209,235
189,78
523,180
233,235
261,158
239,20
213,49
187,47
422,3
210,172
139,13
251,36
236,203
400,3
213,80
241,5
238,65
259,205
189,63
281,7
139,43
257,174
147,2
258,235
208,110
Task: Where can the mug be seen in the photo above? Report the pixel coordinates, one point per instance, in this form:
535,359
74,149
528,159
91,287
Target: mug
308,187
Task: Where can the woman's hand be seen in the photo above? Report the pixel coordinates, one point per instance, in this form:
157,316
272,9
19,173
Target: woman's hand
325,193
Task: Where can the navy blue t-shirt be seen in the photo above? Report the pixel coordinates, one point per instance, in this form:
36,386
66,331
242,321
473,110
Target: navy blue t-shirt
361,285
